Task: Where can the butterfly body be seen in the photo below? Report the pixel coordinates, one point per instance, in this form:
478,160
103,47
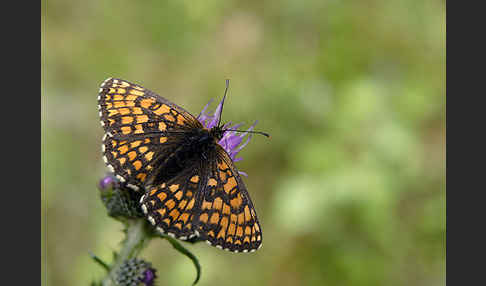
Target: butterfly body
195,145
192,189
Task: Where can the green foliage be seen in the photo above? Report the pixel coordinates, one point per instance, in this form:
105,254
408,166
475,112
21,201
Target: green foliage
350,189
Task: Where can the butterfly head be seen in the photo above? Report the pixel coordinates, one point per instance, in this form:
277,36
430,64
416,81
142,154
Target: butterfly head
217,132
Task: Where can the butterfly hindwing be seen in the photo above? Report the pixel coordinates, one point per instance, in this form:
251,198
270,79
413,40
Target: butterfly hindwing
209,201
171,206
138,124
226,217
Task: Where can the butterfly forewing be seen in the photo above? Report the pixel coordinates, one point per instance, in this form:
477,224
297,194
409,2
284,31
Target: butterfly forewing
138,126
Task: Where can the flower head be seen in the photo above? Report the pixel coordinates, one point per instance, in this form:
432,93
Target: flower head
119,201
231,140
135,271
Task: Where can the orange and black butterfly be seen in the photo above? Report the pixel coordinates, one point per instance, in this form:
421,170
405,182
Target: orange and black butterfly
192,189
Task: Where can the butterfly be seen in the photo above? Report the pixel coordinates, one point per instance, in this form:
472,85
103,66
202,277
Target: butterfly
192,188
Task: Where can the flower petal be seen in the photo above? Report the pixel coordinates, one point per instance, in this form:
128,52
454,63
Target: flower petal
203,117
216,115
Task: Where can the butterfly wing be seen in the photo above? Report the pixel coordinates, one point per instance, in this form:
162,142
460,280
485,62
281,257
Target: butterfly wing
171,206
139,126
226,217
208,200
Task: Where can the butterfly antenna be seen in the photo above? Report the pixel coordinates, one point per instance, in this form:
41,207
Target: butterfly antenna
249,131
222,102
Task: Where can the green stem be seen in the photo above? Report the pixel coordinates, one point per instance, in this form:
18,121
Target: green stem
99,261
138,234
187,253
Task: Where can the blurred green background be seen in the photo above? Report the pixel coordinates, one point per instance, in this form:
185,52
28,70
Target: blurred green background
350,189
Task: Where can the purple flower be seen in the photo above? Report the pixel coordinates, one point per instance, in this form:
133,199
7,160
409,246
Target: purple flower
231,140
